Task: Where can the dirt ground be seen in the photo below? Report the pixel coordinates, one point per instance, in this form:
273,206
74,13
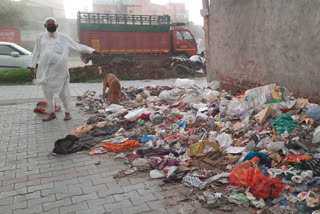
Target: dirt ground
129,70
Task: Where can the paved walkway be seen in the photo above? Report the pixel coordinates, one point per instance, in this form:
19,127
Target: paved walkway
33,181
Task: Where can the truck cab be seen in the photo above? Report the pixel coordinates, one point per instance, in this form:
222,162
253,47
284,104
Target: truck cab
183,43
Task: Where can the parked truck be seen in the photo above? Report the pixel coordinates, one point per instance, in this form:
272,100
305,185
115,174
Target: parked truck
141,38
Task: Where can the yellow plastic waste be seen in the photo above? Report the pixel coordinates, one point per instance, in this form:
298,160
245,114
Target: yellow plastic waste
202,148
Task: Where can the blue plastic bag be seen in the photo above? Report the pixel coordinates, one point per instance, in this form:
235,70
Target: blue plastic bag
314,112
146,138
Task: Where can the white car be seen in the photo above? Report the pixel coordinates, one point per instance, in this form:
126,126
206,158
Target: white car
14,56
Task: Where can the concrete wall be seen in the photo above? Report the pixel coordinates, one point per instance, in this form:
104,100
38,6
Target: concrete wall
258,42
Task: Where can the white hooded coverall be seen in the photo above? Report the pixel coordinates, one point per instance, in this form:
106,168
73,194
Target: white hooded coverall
51,54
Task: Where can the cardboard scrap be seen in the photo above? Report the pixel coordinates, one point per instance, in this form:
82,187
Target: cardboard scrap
263,115
301,103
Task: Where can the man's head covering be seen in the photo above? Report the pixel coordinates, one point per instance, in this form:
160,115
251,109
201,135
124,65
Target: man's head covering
50,18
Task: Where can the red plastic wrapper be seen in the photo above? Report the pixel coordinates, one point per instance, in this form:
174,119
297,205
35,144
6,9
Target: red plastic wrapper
260,185
297,158
145,116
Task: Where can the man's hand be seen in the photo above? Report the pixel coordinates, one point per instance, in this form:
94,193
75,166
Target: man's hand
32,74
97,53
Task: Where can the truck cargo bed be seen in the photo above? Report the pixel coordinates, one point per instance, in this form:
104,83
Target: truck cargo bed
127,42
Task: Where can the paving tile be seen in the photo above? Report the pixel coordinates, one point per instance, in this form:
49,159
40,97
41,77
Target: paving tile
34,181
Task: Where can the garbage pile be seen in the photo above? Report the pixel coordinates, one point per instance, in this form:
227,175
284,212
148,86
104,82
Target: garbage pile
259,149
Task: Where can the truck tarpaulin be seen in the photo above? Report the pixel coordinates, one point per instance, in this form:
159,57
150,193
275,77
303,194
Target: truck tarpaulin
10,35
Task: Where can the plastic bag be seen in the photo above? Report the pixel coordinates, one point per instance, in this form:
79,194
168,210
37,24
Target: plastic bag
212,96
128,144
267,94
155,173
134,114
199,106
141,164
152,99
170,97
238,109
267,143
223,106
270,95
202,148
214,85
184,83
146,138
260,185
316,135
224,140
113,108
314,112
192,96
190,118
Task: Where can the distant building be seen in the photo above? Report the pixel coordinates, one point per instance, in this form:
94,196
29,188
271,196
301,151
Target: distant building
176,11
56,6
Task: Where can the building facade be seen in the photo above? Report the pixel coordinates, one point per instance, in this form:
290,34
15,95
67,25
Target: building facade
176,11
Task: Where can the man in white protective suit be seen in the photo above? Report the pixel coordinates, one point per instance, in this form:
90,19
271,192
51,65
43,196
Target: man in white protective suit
51,54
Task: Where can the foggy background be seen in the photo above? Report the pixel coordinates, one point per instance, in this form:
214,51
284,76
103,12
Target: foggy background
25,18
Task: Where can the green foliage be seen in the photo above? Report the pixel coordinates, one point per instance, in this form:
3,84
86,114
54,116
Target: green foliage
12,14
20,75
79,78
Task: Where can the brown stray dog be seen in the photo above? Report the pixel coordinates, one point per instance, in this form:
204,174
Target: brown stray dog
114,93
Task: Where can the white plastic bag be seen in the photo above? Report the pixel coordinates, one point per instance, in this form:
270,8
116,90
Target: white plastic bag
199,106
214,85
192,96
171,96
267,143
223,107
113,108
134,114
212,96
224,140
152,99
155,173
316,135
237,108
184,83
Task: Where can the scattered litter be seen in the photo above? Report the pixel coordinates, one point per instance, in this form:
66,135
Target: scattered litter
257,149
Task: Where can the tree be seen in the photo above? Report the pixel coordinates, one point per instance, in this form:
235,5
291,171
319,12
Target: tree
12,14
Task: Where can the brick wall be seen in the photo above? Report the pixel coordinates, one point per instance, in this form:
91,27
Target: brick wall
258,42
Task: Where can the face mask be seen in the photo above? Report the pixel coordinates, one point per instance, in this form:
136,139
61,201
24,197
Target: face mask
52,28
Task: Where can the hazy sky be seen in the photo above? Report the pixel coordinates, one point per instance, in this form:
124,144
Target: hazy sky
193,6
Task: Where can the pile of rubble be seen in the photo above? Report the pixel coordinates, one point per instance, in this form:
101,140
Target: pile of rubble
257,149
